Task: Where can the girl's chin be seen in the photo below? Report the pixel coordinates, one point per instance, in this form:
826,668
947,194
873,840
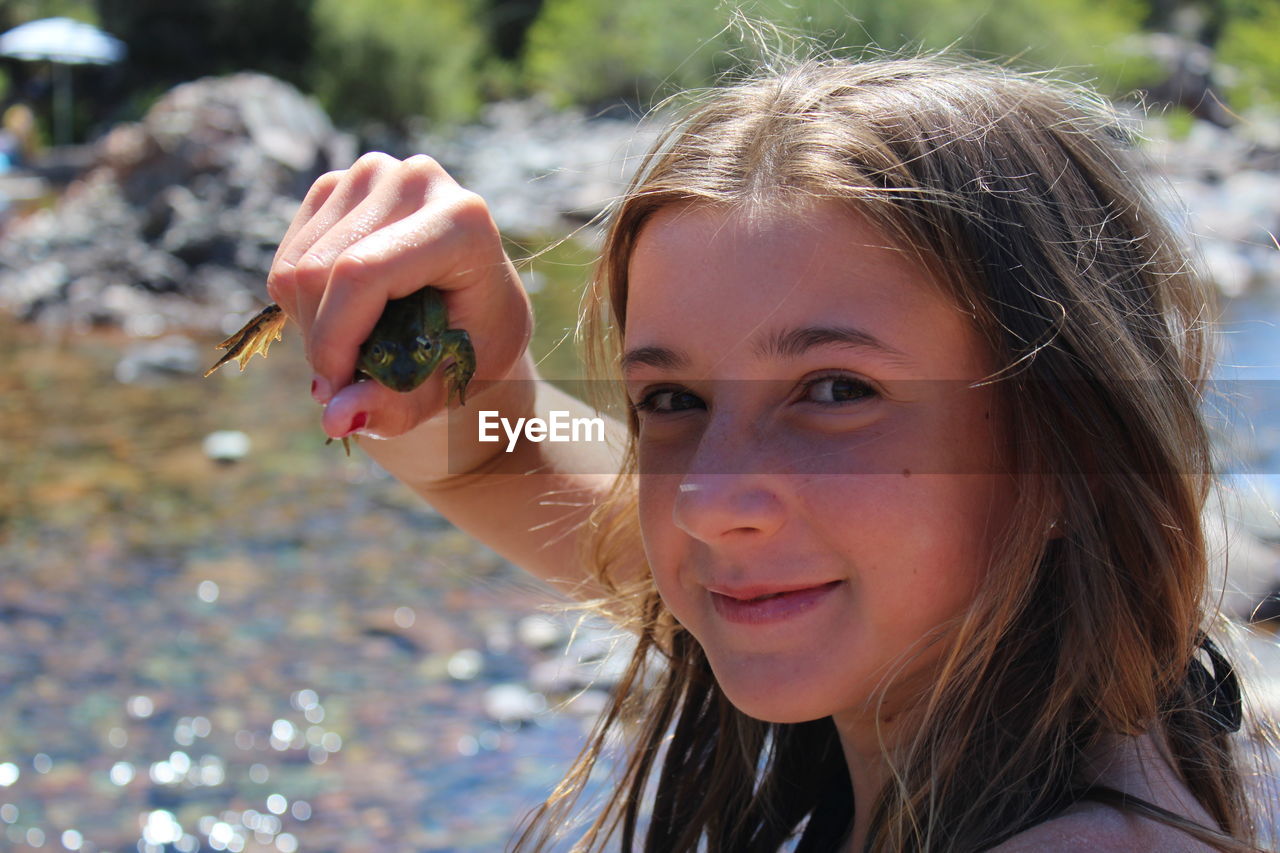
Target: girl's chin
781,717
771,702
808,681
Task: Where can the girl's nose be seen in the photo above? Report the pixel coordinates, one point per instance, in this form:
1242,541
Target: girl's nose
729,481
718,507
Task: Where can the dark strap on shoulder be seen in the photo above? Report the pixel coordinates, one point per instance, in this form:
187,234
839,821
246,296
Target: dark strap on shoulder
1119,799
1218,690
831,819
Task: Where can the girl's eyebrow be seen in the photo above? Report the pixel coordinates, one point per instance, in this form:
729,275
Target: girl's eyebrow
662,358
792,343
781,343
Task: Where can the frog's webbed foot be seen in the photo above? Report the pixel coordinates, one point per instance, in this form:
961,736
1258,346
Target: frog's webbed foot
255,337
346,439
457,342
346,443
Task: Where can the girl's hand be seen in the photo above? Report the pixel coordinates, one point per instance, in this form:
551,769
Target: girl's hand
381,230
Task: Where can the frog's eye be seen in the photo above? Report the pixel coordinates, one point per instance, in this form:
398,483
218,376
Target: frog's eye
422,353
380,354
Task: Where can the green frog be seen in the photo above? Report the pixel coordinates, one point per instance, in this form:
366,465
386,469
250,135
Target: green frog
410,340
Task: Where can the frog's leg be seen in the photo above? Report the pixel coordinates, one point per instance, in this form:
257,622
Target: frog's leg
346,440
255,337
346,444
457,343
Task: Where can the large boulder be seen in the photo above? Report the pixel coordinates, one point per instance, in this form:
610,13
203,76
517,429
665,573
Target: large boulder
176,222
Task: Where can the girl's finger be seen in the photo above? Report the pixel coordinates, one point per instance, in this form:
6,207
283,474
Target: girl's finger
319,193
332,203
396,192
280,287
451,243
375,409
296,278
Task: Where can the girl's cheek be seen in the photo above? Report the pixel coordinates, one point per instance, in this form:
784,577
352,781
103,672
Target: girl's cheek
656,508
668,446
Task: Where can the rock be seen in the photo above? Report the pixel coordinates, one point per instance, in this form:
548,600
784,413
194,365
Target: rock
541,632
1244,570
465,665
158,359
189,203
1267,610
224,446
1227,269
597,657
512,703
542,171
586,703
1190,76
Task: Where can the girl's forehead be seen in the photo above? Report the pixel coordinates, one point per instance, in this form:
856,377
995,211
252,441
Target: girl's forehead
775,235
795,252
706,276
755,219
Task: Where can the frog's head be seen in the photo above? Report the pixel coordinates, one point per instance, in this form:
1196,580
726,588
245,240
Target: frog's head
400,365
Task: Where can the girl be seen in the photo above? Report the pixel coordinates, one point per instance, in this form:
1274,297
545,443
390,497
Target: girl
908,517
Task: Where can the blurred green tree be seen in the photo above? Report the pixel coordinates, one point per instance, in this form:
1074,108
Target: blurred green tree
586,51
1216,57
173,42
508,23
14,12
1249,51
589,50
390,60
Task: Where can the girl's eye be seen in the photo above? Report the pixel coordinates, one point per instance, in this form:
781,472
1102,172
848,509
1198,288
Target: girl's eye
663,401
837,389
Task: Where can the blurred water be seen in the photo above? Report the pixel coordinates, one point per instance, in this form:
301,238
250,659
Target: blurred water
1248,374
291,652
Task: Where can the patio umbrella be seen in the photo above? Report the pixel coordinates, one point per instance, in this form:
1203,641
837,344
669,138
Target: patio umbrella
63,42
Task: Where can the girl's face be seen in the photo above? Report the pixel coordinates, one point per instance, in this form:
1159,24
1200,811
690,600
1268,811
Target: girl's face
820,486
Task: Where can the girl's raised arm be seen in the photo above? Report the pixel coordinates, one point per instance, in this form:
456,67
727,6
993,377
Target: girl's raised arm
384,229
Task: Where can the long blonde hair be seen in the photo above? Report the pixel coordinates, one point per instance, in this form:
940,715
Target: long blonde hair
1020,196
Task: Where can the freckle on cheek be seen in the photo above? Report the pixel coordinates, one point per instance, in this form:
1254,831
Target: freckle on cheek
906,472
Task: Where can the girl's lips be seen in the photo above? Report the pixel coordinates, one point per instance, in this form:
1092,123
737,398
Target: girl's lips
764,608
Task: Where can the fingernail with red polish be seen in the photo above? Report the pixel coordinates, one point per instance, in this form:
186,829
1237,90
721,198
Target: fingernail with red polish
320,390
358,422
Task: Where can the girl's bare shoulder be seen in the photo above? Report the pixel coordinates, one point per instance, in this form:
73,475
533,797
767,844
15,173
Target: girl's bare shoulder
1100,828
1137,766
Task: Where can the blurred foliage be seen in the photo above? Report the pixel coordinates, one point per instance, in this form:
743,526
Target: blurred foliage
391,59
1040,33
592,50
14,12
171,42
1178,122
554,272
1250,48
508,23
